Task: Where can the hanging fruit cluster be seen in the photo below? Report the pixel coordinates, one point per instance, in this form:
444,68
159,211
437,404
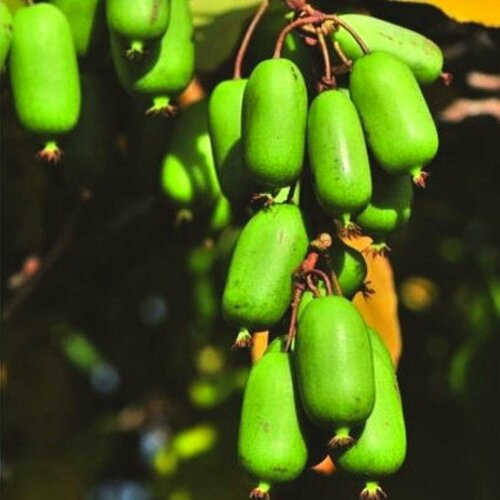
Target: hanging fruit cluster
151,46
328,166
309,159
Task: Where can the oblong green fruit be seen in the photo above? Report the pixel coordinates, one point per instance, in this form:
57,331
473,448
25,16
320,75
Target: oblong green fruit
258,287
188,172
349,266
263,42
422,55
5,32
274,122
87,20
380,449
138,20
44,73
389,209
271,442
168,67
225,133
338,156
334,366
400,130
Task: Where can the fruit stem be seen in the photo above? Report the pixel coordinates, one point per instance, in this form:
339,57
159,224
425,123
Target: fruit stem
328,81
50,153
262,491
372,491
323,276
298,291
243,339
248,36
136,50
301,21
351,31
342,438
161,106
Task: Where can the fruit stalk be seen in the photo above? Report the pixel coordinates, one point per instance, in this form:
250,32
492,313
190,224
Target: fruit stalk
248,36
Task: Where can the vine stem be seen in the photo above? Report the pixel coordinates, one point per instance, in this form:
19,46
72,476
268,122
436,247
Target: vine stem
323,276
301,21
328,78
351,31
333,277
55,253
248,36
297,295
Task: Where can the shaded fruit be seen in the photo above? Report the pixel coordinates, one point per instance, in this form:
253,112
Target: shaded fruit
188,173
389,209
225,133
5,32
138,21
350,267
87,20
422,55
380,449
169,65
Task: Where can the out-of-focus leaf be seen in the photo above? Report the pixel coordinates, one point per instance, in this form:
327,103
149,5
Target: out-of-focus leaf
219,25
204,12
485,12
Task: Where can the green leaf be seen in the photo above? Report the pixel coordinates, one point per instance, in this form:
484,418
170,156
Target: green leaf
219,26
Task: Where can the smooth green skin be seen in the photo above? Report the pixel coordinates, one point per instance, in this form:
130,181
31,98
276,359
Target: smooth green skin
271,442
221,215
188,173
333,363
399,127
168,67
44,71
258,288
294,48
337,155
138,19
87,152
274,123
5,32
224,120
380,449
87,21
420,54
349,266
390,206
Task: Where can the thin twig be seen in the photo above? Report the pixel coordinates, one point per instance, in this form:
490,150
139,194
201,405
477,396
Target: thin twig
333,276
297,295
328,79
351,31
248,36
55,253
301,21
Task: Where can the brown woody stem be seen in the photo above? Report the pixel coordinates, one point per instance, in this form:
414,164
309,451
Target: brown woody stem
301,21
248,36
351,31
328,78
